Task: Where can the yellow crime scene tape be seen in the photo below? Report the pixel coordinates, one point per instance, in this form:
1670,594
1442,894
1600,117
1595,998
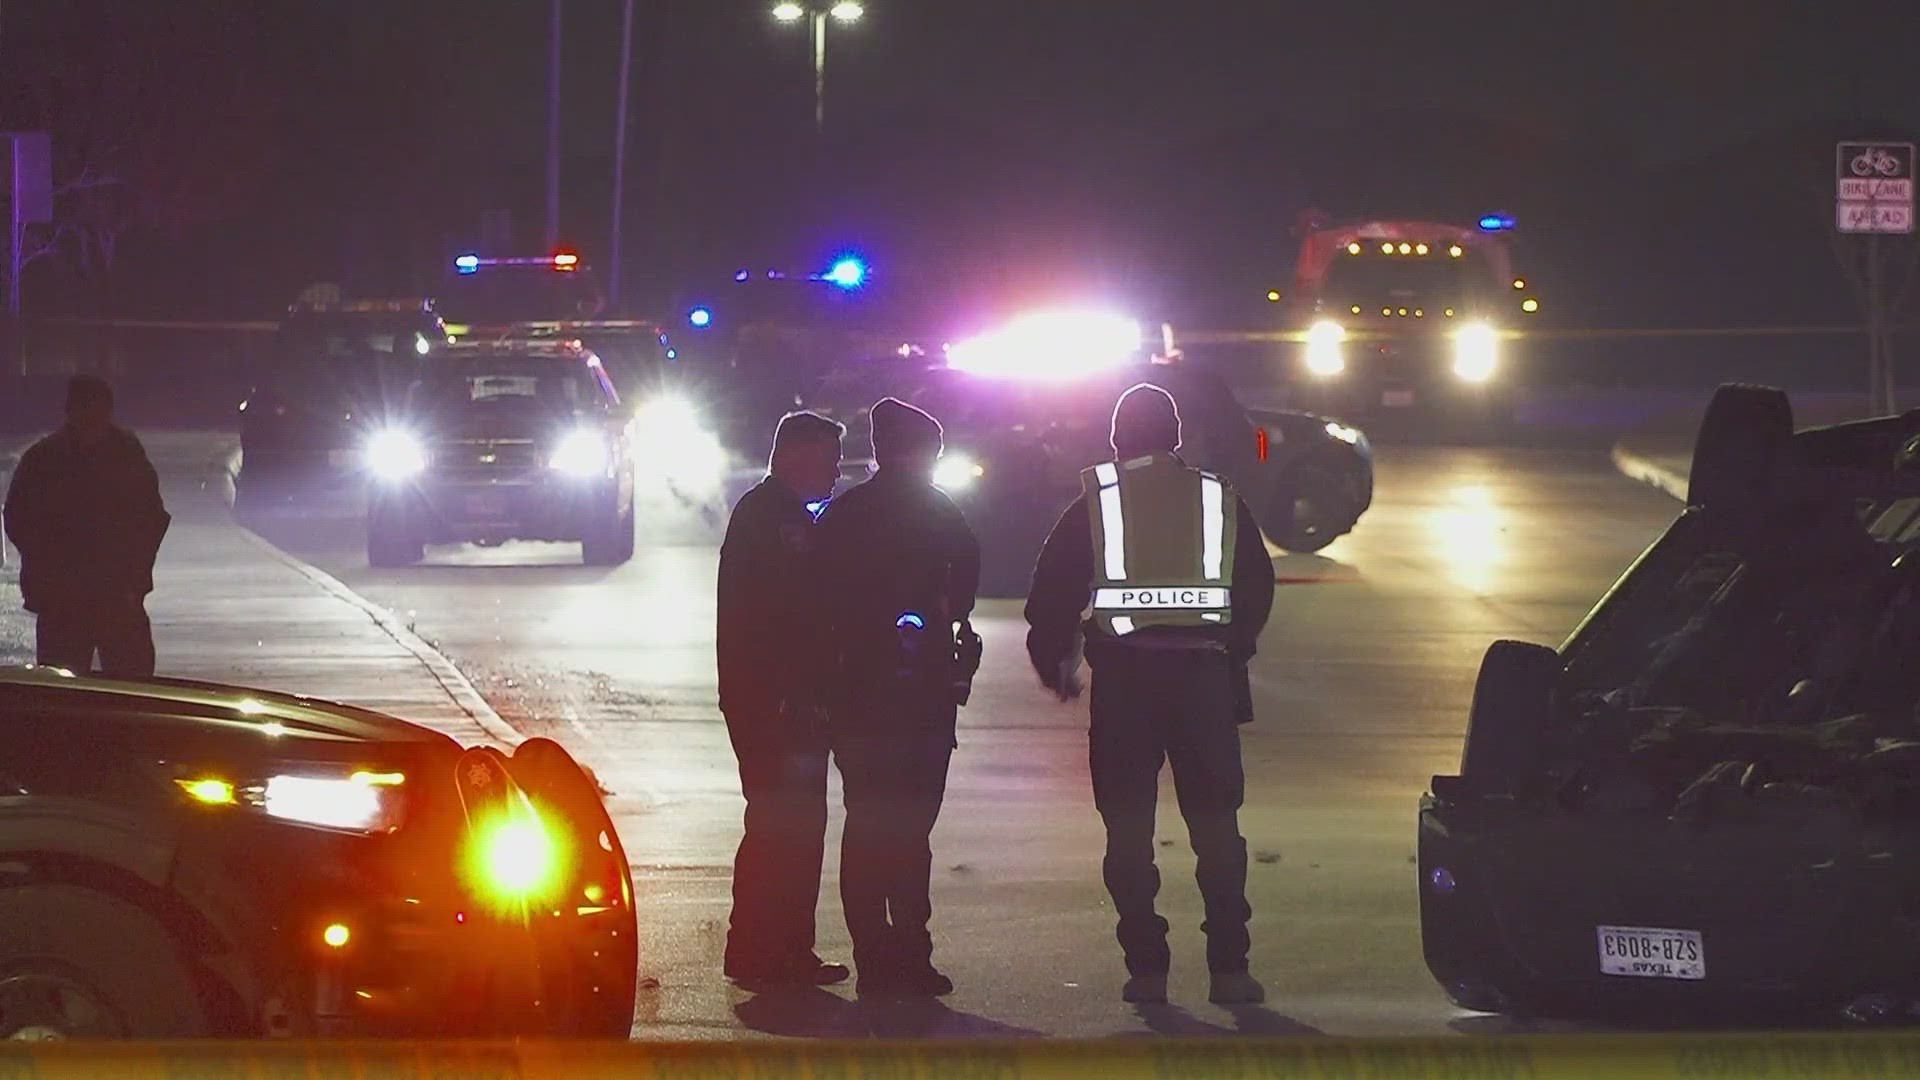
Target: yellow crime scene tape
1588,1057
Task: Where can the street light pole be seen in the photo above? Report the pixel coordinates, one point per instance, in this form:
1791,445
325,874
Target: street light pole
620,152
819,72
553,131
817,13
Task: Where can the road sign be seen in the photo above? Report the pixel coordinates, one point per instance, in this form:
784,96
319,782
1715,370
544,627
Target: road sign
1875,217
1873,187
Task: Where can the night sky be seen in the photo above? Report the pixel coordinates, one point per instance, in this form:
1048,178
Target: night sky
1118,138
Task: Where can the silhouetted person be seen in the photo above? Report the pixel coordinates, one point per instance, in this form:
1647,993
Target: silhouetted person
767,636
85,511
899,570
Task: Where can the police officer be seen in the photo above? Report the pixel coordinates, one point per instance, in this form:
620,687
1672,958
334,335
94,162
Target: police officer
768,693
84,509
900,568
1169,563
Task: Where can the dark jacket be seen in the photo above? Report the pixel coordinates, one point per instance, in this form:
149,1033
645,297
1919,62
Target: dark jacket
890,546
88,520
766,613
1063,587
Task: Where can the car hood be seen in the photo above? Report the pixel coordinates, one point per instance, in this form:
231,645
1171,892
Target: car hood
203,712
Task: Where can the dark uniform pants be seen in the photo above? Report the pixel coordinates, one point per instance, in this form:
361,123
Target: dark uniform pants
893,756
70,635
1159,705
776,872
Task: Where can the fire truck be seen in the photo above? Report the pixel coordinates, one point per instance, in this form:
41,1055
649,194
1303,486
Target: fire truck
1402,313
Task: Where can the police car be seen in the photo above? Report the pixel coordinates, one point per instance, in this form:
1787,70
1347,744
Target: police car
334,370
1027,407
504,440
1709,796
184,859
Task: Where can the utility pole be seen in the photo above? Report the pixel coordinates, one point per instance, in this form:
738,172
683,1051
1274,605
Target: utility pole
620,152
819,71
553,132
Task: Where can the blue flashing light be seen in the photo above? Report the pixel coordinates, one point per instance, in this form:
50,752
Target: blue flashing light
849,273
816,506
911,618
1496,223
663,339
700,316
467,264
741,275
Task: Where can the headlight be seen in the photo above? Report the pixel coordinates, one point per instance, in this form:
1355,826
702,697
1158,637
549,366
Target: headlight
1345,434
363,802
581,453
1476,352
675,448
1325,357
957,471
395,454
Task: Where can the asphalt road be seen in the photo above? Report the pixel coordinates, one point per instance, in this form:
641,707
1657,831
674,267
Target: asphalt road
1361,691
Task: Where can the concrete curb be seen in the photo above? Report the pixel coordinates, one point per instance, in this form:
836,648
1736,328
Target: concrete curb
457,686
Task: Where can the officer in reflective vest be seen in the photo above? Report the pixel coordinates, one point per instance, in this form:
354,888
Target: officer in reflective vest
1160,575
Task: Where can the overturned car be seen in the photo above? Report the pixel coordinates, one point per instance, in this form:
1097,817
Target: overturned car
1708,798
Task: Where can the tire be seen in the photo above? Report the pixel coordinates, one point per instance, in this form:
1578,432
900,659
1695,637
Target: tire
1740,442
609,545
392,543
1315,504
68,953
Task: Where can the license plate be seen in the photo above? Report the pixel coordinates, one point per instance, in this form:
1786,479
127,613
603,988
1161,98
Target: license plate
1397,398
1651,952
488,505
343,459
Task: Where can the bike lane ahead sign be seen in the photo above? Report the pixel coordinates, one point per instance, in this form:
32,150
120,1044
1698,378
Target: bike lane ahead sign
1874,187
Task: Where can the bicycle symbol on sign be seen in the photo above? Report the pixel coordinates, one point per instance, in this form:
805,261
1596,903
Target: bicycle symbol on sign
1875,160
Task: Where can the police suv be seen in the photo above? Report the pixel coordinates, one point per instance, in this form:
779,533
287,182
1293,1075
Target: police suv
335,369
504,440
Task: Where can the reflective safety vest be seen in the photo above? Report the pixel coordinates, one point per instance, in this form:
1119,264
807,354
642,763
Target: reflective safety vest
1162,544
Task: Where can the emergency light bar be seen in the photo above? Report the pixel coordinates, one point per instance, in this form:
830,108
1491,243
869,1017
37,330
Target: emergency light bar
564,262
1051,345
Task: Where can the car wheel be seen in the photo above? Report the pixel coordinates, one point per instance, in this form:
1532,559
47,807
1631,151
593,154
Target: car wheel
392,542
1317,504
609,545
79,964
1740,440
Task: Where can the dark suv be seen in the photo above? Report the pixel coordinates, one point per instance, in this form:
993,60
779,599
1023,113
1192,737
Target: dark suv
504,440
335,371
